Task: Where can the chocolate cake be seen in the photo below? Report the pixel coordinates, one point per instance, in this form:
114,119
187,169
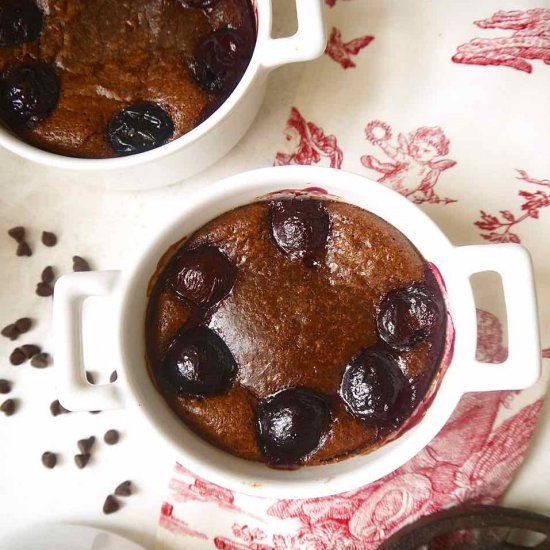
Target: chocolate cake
103,78
296,330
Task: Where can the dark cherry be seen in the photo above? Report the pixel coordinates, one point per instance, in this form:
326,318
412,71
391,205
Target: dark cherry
203,276
28,93
291,423
140,127
374,388
20,22
408,316
201,4
300,227
220,60
199,363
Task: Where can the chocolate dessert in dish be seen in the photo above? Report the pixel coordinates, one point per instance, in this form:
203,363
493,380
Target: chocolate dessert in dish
296,330
105,78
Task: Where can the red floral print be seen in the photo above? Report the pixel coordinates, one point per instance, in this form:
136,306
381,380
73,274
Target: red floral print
498,229
330,3
415,163
341,51
308,144
529,41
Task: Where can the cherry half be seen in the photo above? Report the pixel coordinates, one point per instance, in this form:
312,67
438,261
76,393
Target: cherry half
20,22
374,388
290,424
220,59
199,363
29,93
140,127
300,227
408,316
204,276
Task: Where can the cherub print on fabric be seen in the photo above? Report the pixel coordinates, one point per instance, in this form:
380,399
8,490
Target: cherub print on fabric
529,41
306,143
342,52
502,228
414,161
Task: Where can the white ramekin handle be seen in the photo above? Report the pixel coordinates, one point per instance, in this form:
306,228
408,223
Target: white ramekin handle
522,368
75,392
308,43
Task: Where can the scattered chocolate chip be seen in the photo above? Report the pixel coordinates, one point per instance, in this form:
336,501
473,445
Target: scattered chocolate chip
81,460
44,290
17,357
47,275
23,325
48,238
17,233
11,332
94,412
30,350
90,376
23,249
80,264
57,408
84,445
8,407
110,505
111,437
49,460
113,377
5,386
40,361
124,489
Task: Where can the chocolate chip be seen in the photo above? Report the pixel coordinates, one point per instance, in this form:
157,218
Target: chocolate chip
17,233
84,445
47,275
48,238
90,376
23,325
5,386
80,264
17,357
8,407
81,460
111,437
11,332
57,408
113,377
110,505
94,412
23,249
49,460
30,350
124,489
44,290
40,361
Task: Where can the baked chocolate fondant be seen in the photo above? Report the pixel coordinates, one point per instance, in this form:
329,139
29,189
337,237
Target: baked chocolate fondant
103,78
296,330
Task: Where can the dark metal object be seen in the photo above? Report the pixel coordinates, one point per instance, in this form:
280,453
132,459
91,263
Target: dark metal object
474,528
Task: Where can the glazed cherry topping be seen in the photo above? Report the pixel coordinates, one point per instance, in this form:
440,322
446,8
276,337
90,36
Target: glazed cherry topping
198,363
220,60
28,93
203,276
408,316
201,4
20,22
140,127
291,423
300,227
374,388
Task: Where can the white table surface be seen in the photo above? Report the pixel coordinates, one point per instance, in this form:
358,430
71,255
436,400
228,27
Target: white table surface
107,228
